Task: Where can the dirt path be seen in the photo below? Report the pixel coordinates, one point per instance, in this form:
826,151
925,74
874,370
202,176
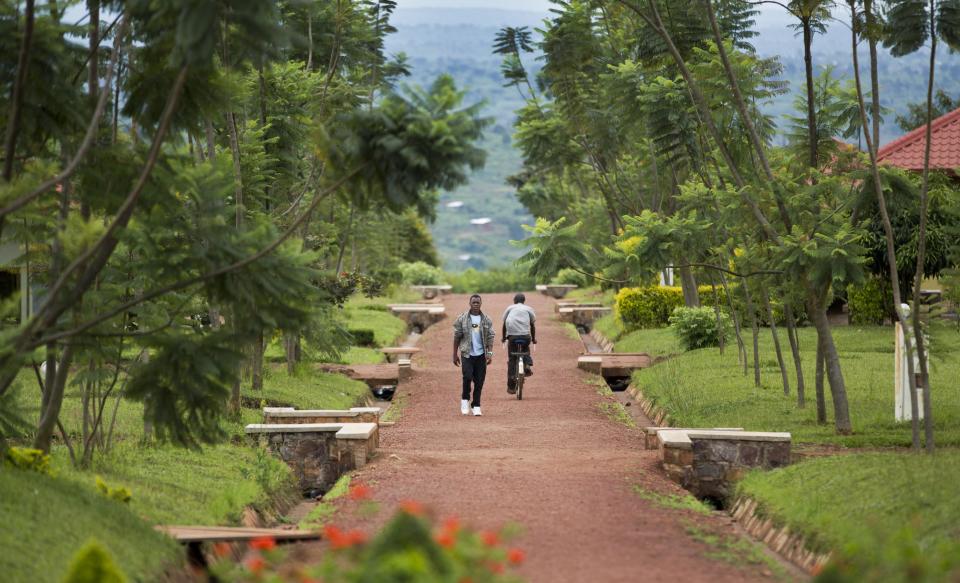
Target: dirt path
553,463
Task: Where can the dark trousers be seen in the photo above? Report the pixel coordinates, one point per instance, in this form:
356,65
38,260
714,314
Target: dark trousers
474,370
516,344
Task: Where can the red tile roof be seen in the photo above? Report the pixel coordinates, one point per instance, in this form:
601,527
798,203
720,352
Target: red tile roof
907,151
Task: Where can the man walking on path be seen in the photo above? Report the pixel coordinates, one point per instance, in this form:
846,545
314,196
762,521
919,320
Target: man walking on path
473,345
518,328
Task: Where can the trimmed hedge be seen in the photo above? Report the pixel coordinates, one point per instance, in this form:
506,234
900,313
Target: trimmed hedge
651,306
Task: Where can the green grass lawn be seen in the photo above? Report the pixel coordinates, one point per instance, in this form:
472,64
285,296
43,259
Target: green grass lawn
46,520
308,388
904,515
702,388
655,342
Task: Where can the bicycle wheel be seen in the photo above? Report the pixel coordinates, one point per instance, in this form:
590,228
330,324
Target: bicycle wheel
520,378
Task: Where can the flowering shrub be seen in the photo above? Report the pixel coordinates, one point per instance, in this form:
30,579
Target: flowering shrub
410,547
26,458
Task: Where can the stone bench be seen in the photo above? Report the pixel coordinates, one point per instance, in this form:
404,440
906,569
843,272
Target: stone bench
582,315
652,434
555,290
614,364
418,316
708,461
575,304
431,291
400,352
281,415
318,453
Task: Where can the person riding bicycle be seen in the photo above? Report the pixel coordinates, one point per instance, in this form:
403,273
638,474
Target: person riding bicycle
519,329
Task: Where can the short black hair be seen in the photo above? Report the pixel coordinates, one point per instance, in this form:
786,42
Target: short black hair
519,298
475,296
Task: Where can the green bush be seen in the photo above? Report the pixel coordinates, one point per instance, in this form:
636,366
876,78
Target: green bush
93,564
120,493
26,458
647,307
651,306
697,327
363,337
869,303
571,277
420,273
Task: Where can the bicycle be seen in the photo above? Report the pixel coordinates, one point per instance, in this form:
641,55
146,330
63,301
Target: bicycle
518,354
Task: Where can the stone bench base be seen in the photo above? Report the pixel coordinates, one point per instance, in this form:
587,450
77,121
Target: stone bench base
582,315
708,461
318,453
418,317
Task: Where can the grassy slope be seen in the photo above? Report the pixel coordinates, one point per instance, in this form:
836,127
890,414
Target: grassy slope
169,485
893,490
46,520
172,485
703,388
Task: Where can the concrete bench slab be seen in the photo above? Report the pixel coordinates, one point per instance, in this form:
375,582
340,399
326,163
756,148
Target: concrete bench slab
341,430
575,304
399,352
590,363
738,435
374,375
280,415
555,290
652,434
582,315
431,291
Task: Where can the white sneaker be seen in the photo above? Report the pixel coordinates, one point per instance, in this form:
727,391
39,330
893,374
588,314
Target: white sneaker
477,412
464,407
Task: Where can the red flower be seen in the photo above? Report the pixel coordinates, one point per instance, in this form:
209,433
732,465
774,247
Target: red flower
491,539
451,525
516,556
496,568
255,564
445,539
343,540
263,543
221,549
359,492
412,507
356,537
337,538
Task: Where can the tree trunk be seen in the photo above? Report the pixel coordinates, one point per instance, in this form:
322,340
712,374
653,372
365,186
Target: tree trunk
795,350
16,93
776,342
258,353
721,333
872,147
688,283
811,105
51,415
755,326
831,364
820,397
741,346
924,380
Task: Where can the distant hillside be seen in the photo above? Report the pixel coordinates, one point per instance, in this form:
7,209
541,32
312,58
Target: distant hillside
458,41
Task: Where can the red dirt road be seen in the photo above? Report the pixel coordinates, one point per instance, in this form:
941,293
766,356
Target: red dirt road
554,463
